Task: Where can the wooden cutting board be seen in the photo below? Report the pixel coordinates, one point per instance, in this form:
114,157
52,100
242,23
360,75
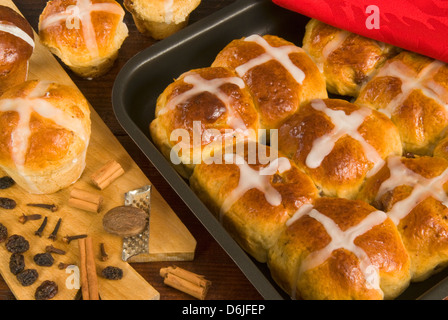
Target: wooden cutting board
170,240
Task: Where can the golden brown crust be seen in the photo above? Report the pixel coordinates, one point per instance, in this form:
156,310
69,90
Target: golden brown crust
340,275
158,19
14,51
67,38
343,170
252,220
413,90
424,229
203,107
50,146
276,94
349,64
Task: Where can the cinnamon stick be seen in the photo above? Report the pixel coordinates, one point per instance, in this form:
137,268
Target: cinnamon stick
85,200
89,279
107,174
186,281
82,257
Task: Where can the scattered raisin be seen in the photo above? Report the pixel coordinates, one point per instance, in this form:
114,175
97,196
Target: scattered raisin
16,263
6,182
112,273
7,203
47,290
17,244
3,233
27,277
44,259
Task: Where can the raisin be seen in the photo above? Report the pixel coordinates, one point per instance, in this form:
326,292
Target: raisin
27,277
17,244
6,182
44,259
112,273
47,290
7,203
3,233
16,263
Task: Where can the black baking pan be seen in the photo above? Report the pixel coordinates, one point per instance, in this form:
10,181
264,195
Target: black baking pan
144,78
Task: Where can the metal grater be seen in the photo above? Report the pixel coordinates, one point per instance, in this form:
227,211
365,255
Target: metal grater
138,244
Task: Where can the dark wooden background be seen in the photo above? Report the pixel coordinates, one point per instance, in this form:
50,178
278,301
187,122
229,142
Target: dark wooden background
228,282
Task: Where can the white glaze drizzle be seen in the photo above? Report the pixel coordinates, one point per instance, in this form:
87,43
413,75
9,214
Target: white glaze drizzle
281,54
331,46
212,86
168,11
340,240
343,125
422,188
25,107
410,81
255,179
17,32
82,12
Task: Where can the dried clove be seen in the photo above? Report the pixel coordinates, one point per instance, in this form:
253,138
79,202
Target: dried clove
69,239
63,265
104,255
52,249
53,235
24,218
51,207
41,228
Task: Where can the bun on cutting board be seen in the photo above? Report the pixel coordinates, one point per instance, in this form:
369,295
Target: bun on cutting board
45,134
85,34
16,48
347,60
280,76
160,18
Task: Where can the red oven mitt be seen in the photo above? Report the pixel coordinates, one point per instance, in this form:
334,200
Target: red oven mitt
415,25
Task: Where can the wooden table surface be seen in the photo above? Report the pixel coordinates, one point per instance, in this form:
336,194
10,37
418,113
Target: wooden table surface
228,282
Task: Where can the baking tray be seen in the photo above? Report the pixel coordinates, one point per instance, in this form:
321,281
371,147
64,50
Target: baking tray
146,75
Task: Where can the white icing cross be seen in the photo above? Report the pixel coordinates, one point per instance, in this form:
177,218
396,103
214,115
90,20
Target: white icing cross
341,240
343,125
422,188
25,107
81,12
168,11
212,86
254,179
281,54
17,32
410,80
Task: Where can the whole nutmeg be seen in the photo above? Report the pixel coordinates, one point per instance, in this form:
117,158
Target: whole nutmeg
125,221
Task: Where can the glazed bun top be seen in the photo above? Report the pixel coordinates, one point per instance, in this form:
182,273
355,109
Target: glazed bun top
162,11
338,143
413,91
347,60
44,125
82,30
280,76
